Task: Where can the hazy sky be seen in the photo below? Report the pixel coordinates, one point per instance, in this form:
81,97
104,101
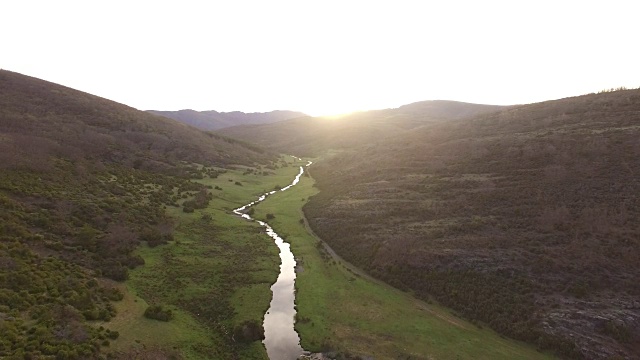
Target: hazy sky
322,57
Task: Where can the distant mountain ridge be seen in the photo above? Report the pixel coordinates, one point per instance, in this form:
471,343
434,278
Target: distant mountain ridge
214,120
447,109
312,135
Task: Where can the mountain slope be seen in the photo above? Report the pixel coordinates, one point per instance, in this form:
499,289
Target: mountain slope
524,219
310,136
83,182
41,116
213,120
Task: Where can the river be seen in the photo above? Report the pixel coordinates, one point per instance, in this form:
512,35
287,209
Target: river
280,337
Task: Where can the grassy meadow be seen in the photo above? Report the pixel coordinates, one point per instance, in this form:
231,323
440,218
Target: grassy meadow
216,273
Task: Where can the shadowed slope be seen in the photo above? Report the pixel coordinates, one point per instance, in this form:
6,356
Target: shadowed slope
524,219
40,118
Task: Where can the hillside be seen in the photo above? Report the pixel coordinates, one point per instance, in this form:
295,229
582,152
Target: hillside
524,220
39,116
311,136
84,182
213,120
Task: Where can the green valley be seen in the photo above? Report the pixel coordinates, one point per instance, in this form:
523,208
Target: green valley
215,274
217,271
436,230
343,311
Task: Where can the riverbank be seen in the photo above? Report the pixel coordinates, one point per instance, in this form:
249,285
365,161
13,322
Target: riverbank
280,338
215,274
341,311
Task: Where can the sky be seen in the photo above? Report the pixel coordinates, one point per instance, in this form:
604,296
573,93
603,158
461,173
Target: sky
322,57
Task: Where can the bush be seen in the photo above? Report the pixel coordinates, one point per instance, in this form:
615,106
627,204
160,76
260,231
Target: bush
113,294
187,209
111,334
153,237
270,216
157,312
248,331
115,271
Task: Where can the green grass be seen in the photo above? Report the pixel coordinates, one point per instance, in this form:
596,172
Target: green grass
136,331
214,275
228,262
339,309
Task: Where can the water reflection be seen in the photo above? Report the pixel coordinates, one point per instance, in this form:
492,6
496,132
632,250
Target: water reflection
281,340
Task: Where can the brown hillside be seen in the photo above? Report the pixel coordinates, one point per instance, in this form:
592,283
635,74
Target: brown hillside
39,118
525,220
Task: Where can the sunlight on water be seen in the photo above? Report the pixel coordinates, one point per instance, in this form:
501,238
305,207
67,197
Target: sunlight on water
281,340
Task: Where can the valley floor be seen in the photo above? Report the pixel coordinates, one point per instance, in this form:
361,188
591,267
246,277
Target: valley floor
217,273
340,310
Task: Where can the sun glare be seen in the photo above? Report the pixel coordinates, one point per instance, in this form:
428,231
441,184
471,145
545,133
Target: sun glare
335,116
330,111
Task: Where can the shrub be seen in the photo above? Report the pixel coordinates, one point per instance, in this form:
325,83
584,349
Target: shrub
111,334
152,236
157,312
248,331
115,271
113,294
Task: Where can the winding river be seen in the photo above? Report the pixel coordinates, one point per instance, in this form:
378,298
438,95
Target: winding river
281,339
